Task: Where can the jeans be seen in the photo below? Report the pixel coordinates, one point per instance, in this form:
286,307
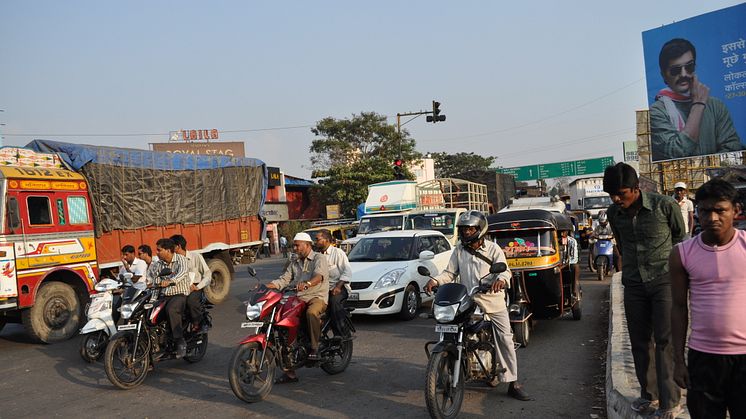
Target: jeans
337,312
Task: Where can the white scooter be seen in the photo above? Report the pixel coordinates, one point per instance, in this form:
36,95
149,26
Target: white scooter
101,323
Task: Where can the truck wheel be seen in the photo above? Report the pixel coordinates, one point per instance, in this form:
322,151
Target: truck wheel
220,284
55,315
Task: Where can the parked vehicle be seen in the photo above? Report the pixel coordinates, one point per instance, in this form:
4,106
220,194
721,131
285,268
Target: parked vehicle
384,270
442,220
70,208
466,350
279,340
542,286
103,314
144,337
601,256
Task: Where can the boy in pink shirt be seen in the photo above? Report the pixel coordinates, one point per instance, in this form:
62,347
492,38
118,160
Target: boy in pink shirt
708,270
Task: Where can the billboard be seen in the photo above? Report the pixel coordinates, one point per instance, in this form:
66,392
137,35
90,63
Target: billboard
562,169
696,84
228,148
630,151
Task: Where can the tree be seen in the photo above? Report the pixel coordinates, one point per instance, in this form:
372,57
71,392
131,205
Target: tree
450,165
354,153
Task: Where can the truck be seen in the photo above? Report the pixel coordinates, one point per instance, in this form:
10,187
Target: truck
588,194
68,209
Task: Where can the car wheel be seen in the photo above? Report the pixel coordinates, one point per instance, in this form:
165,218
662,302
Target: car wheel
410,304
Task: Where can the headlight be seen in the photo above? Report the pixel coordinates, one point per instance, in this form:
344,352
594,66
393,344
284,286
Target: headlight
127,310
390,278
253,311
444,314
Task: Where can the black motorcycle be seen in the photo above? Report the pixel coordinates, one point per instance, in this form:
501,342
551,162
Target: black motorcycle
466,350
144,336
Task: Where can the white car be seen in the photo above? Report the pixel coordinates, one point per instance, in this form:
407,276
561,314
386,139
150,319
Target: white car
384,270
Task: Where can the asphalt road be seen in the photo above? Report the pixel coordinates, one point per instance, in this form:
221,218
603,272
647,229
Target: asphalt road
563,369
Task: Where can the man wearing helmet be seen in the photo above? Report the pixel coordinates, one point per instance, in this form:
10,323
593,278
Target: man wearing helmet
470,261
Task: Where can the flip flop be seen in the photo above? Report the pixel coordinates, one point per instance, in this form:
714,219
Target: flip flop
286,379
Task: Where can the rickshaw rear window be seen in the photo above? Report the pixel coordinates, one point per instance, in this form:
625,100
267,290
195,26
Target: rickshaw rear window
525,243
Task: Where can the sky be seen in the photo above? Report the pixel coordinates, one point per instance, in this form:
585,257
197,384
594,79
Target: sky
528,82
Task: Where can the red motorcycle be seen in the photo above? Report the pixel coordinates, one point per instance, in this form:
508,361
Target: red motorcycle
281,340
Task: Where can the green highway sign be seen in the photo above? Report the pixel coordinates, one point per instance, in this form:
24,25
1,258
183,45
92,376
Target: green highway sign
562,169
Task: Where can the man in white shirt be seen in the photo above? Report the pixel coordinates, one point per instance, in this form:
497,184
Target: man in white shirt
199,276
687,208
340,274
137,267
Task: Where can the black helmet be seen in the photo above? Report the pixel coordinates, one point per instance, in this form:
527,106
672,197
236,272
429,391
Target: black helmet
471,218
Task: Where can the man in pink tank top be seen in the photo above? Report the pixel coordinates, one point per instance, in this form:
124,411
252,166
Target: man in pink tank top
709,271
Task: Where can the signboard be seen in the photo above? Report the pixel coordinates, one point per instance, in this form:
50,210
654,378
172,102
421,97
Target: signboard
332,212
275,212
193,135
562,169
630,151
684,122
230,149
273,176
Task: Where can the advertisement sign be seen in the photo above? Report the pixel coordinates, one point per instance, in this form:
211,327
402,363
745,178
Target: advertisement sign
562,169
228,148
332,211
273,176
275,212
630,151
696,82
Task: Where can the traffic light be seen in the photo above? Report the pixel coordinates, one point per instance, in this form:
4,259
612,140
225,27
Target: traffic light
398,169
436,117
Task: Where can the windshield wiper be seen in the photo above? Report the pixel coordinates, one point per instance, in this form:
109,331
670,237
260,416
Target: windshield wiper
362,259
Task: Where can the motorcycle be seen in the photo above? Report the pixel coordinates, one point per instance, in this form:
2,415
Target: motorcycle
103,314
466,350
280,339
601,256
144,336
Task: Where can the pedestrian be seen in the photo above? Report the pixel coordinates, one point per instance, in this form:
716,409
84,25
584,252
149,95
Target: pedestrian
646,226
709,270
284,246
265,246
687,208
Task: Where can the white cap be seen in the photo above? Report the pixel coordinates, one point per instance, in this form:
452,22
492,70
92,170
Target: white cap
678,185
303,237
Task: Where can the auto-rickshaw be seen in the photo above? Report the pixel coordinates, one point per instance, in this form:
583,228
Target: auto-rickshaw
535,245
583,227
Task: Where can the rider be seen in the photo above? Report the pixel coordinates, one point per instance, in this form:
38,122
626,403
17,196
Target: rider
340,274
470,261
310,271
200,276
136,266
604,229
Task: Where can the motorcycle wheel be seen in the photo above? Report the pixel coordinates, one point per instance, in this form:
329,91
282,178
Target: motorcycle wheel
442,399
245,373
340,359
122,370
93,346
521,332
601,270
198,351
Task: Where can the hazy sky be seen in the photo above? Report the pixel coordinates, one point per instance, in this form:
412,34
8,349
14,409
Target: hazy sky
528,82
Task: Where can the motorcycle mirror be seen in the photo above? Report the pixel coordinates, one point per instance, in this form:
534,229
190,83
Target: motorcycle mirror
165,272
498,267
251,270
423,271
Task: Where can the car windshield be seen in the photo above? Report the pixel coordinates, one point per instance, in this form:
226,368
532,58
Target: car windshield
376,249
531,243
597,202
387,223
439,221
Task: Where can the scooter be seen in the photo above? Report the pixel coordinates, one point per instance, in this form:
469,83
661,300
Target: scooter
601,256
102,315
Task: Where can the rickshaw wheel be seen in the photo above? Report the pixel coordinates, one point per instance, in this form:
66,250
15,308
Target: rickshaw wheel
577,310
521,333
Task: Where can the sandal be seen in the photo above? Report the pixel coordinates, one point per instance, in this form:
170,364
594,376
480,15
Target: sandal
286,379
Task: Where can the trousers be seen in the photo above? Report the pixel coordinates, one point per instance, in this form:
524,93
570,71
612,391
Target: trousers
314,308
175,305
194,306
503,335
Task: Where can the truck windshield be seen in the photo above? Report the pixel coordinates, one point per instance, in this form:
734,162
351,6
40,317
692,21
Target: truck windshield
378,249
386,223
439,221
597,202
529,243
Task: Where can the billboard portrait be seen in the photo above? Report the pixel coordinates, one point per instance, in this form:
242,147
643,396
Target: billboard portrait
696,84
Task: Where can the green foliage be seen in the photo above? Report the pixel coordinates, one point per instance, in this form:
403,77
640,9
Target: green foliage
354,153
450,165
290,228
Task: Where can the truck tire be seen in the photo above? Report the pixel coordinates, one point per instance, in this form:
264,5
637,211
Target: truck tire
220,285
55,315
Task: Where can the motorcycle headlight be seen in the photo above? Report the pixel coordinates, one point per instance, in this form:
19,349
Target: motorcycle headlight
444,314
254,310
390,278
127,310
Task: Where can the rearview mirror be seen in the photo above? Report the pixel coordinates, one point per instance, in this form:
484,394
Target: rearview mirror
498,267
423,271
251,271
426,255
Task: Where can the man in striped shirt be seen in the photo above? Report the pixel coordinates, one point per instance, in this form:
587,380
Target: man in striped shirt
175,295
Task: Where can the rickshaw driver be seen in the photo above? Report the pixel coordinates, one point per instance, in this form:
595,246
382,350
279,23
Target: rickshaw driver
470,261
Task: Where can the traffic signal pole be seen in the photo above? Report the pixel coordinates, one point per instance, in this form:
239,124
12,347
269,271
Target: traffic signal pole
436,117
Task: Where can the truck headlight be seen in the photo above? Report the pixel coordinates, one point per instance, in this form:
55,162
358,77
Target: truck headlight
390,278
254,310
445,314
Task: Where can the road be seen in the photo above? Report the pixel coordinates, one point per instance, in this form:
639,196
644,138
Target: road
562,368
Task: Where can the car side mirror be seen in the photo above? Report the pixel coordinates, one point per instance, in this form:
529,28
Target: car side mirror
423,271
498,267
251,271
426,255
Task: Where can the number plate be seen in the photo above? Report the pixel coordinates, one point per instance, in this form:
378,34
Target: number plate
602,244
132,326
353,296
257,325
446,328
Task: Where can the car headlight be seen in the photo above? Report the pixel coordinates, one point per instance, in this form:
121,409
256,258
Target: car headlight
254,310
444,314
390,278
127,310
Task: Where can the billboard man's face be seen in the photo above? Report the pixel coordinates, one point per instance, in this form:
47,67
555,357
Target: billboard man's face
679,73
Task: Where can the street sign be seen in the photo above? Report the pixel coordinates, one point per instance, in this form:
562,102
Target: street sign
562,169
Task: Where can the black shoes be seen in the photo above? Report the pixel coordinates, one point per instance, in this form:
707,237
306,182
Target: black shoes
517,392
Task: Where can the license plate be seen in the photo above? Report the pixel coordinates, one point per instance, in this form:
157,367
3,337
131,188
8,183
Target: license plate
353,296
446,328
602,245
257,325
132,326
